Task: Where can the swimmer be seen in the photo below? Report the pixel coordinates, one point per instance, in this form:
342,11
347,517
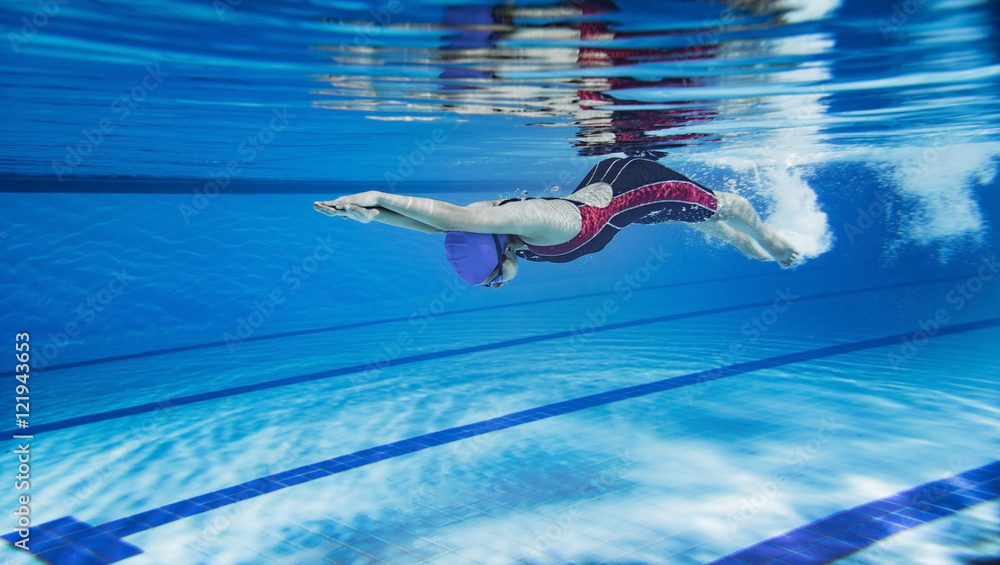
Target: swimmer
485,239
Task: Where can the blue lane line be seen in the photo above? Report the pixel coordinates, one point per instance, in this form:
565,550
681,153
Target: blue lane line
367,323
354,369
109,534
845,532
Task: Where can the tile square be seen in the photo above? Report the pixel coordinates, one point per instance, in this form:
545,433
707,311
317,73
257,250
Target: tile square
155,517
343,555
750,557
853,539
374,456
70,555
230,491
820,553
260,486
350,536
886,505
368,544
279,547
797,559
429,551
392,534
405,559
292,481
53,524
979,475
244,495
871,533
869,511
80,535
124,527
317,474
46,544
856,518
956,502
387,552
217,502
917,514
901,520
836,546
830,526
110,548
978,495
332,465
769,550
285,474
806,536
206,497
307,539
933,510
788,542
992,487
185,508
66,527
411,543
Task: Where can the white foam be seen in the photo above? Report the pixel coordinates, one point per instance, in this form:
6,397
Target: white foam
939,181
795,213
808,10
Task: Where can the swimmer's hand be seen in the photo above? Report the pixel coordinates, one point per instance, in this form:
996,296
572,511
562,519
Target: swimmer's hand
344,210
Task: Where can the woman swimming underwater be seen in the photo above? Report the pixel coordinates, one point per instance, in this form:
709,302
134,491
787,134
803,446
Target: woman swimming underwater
485,239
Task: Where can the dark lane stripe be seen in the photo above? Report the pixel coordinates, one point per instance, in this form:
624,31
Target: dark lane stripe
354,369
73,537
367,323
838,535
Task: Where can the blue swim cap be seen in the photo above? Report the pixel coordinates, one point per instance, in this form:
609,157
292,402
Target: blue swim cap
476,256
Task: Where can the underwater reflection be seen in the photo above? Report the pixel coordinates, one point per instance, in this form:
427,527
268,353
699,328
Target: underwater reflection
566,64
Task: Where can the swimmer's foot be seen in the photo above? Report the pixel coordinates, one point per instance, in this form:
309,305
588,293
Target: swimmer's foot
783,252
755,251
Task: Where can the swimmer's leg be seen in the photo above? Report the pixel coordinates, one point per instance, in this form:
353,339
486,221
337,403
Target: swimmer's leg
735,211
739,240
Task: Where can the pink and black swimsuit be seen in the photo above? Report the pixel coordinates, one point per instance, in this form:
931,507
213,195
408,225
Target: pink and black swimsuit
644,192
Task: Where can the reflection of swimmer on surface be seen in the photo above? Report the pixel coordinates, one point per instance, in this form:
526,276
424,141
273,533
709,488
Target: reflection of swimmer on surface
562,63
485,239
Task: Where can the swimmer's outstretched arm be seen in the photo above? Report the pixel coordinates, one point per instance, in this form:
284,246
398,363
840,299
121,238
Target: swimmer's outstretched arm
535,220
381,215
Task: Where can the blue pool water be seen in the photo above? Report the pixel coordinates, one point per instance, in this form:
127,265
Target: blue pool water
219,374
